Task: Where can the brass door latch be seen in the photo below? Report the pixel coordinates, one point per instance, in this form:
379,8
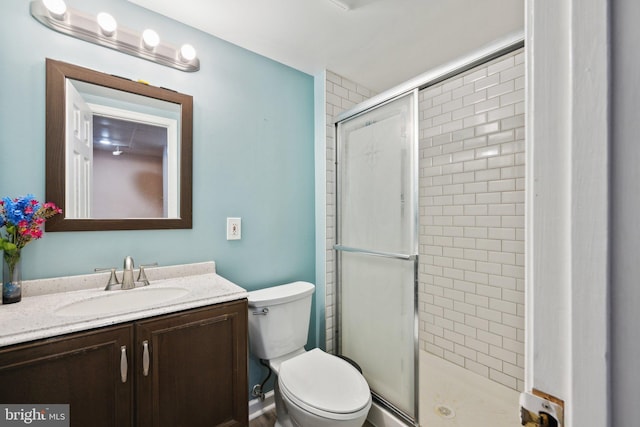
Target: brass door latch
539,409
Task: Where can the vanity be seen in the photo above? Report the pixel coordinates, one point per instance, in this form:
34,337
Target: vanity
172,354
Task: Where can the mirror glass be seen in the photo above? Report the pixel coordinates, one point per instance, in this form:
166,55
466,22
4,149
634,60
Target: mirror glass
118,152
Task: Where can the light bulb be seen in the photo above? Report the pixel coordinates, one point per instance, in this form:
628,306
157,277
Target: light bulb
150,38
57,8
187,52
107,24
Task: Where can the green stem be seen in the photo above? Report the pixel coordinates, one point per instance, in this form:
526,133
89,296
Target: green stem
11,259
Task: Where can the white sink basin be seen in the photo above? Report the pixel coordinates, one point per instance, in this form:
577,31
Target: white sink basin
122,300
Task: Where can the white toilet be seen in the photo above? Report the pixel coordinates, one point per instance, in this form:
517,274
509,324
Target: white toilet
313,388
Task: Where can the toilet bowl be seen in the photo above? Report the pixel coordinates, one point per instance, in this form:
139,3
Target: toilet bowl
313,388
319,389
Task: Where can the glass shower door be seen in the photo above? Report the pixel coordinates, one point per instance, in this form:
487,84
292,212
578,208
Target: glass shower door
377,250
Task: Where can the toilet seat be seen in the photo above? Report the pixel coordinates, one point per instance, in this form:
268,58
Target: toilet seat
324,385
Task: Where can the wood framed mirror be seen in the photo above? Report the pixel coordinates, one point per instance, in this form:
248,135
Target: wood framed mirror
118,152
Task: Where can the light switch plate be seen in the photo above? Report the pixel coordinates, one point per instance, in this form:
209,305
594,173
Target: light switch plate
234,228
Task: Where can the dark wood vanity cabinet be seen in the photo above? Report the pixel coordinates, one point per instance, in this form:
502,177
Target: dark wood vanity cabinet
195,374
184,369
83,370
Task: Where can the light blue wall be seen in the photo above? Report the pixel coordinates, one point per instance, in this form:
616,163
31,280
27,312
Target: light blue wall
253,152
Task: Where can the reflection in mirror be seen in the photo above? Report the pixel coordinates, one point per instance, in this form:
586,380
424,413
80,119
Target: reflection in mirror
125,156
127,152
130,159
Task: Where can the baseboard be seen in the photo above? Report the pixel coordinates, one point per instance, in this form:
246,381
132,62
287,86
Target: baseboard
380,417
258,407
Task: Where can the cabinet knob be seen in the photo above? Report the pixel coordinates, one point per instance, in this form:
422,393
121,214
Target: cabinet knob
145,358
124,366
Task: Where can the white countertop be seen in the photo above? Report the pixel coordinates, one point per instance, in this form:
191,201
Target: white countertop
36,317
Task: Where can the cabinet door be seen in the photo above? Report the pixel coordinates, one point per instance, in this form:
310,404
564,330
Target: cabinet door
192,368
82,370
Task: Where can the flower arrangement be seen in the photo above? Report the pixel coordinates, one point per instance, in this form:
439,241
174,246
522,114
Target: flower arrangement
22,219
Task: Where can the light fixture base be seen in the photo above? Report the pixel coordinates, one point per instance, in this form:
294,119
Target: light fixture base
85,27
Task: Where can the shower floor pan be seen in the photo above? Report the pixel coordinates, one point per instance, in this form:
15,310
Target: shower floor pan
451,396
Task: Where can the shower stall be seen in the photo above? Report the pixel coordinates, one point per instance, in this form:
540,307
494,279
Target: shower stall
388,212
377,249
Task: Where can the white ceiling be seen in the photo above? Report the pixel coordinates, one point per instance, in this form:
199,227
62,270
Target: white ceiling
377,43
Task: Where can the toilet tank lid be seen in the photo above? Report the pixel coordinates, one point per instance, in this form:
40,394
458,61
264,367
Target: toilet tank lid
280,294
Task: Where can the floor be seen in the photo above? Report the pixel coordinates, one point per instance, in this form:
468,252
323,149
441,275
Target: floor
451,396
269,419
265,420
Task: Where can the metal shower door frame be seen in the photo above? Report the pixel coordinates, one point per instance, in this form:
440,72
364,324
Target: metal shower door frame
412,257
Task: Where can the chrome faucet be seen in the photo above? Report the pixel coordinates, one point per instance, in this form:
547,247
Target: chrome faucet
127,274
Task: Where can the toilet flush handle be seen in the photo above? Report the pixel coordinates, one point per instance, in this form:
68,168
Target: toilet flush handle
262,312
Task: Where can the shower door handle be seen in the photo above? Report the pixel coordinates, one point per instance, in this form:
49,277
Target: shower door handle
405,257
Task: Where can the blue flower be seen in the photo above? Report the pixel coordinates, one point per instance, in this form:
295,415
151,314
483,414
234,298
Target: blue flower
20,209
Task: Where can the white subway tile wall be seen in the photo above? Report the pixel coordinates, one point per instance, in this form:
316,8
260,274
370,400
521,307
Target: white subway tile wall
471,293
341,95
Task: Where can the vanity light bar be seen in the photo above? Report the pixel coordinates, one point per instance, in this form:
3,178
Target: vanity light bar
104,31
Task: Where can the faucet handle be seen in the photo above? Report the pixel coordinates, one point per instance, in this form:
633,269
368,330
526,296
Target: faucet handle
113,279
142,277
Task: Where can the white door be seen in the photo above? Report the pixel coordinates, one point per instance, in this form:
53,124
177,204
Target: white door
79,155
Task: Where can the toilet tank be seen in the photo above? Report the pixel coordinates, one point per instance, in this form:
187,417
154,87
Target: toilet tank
279,319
